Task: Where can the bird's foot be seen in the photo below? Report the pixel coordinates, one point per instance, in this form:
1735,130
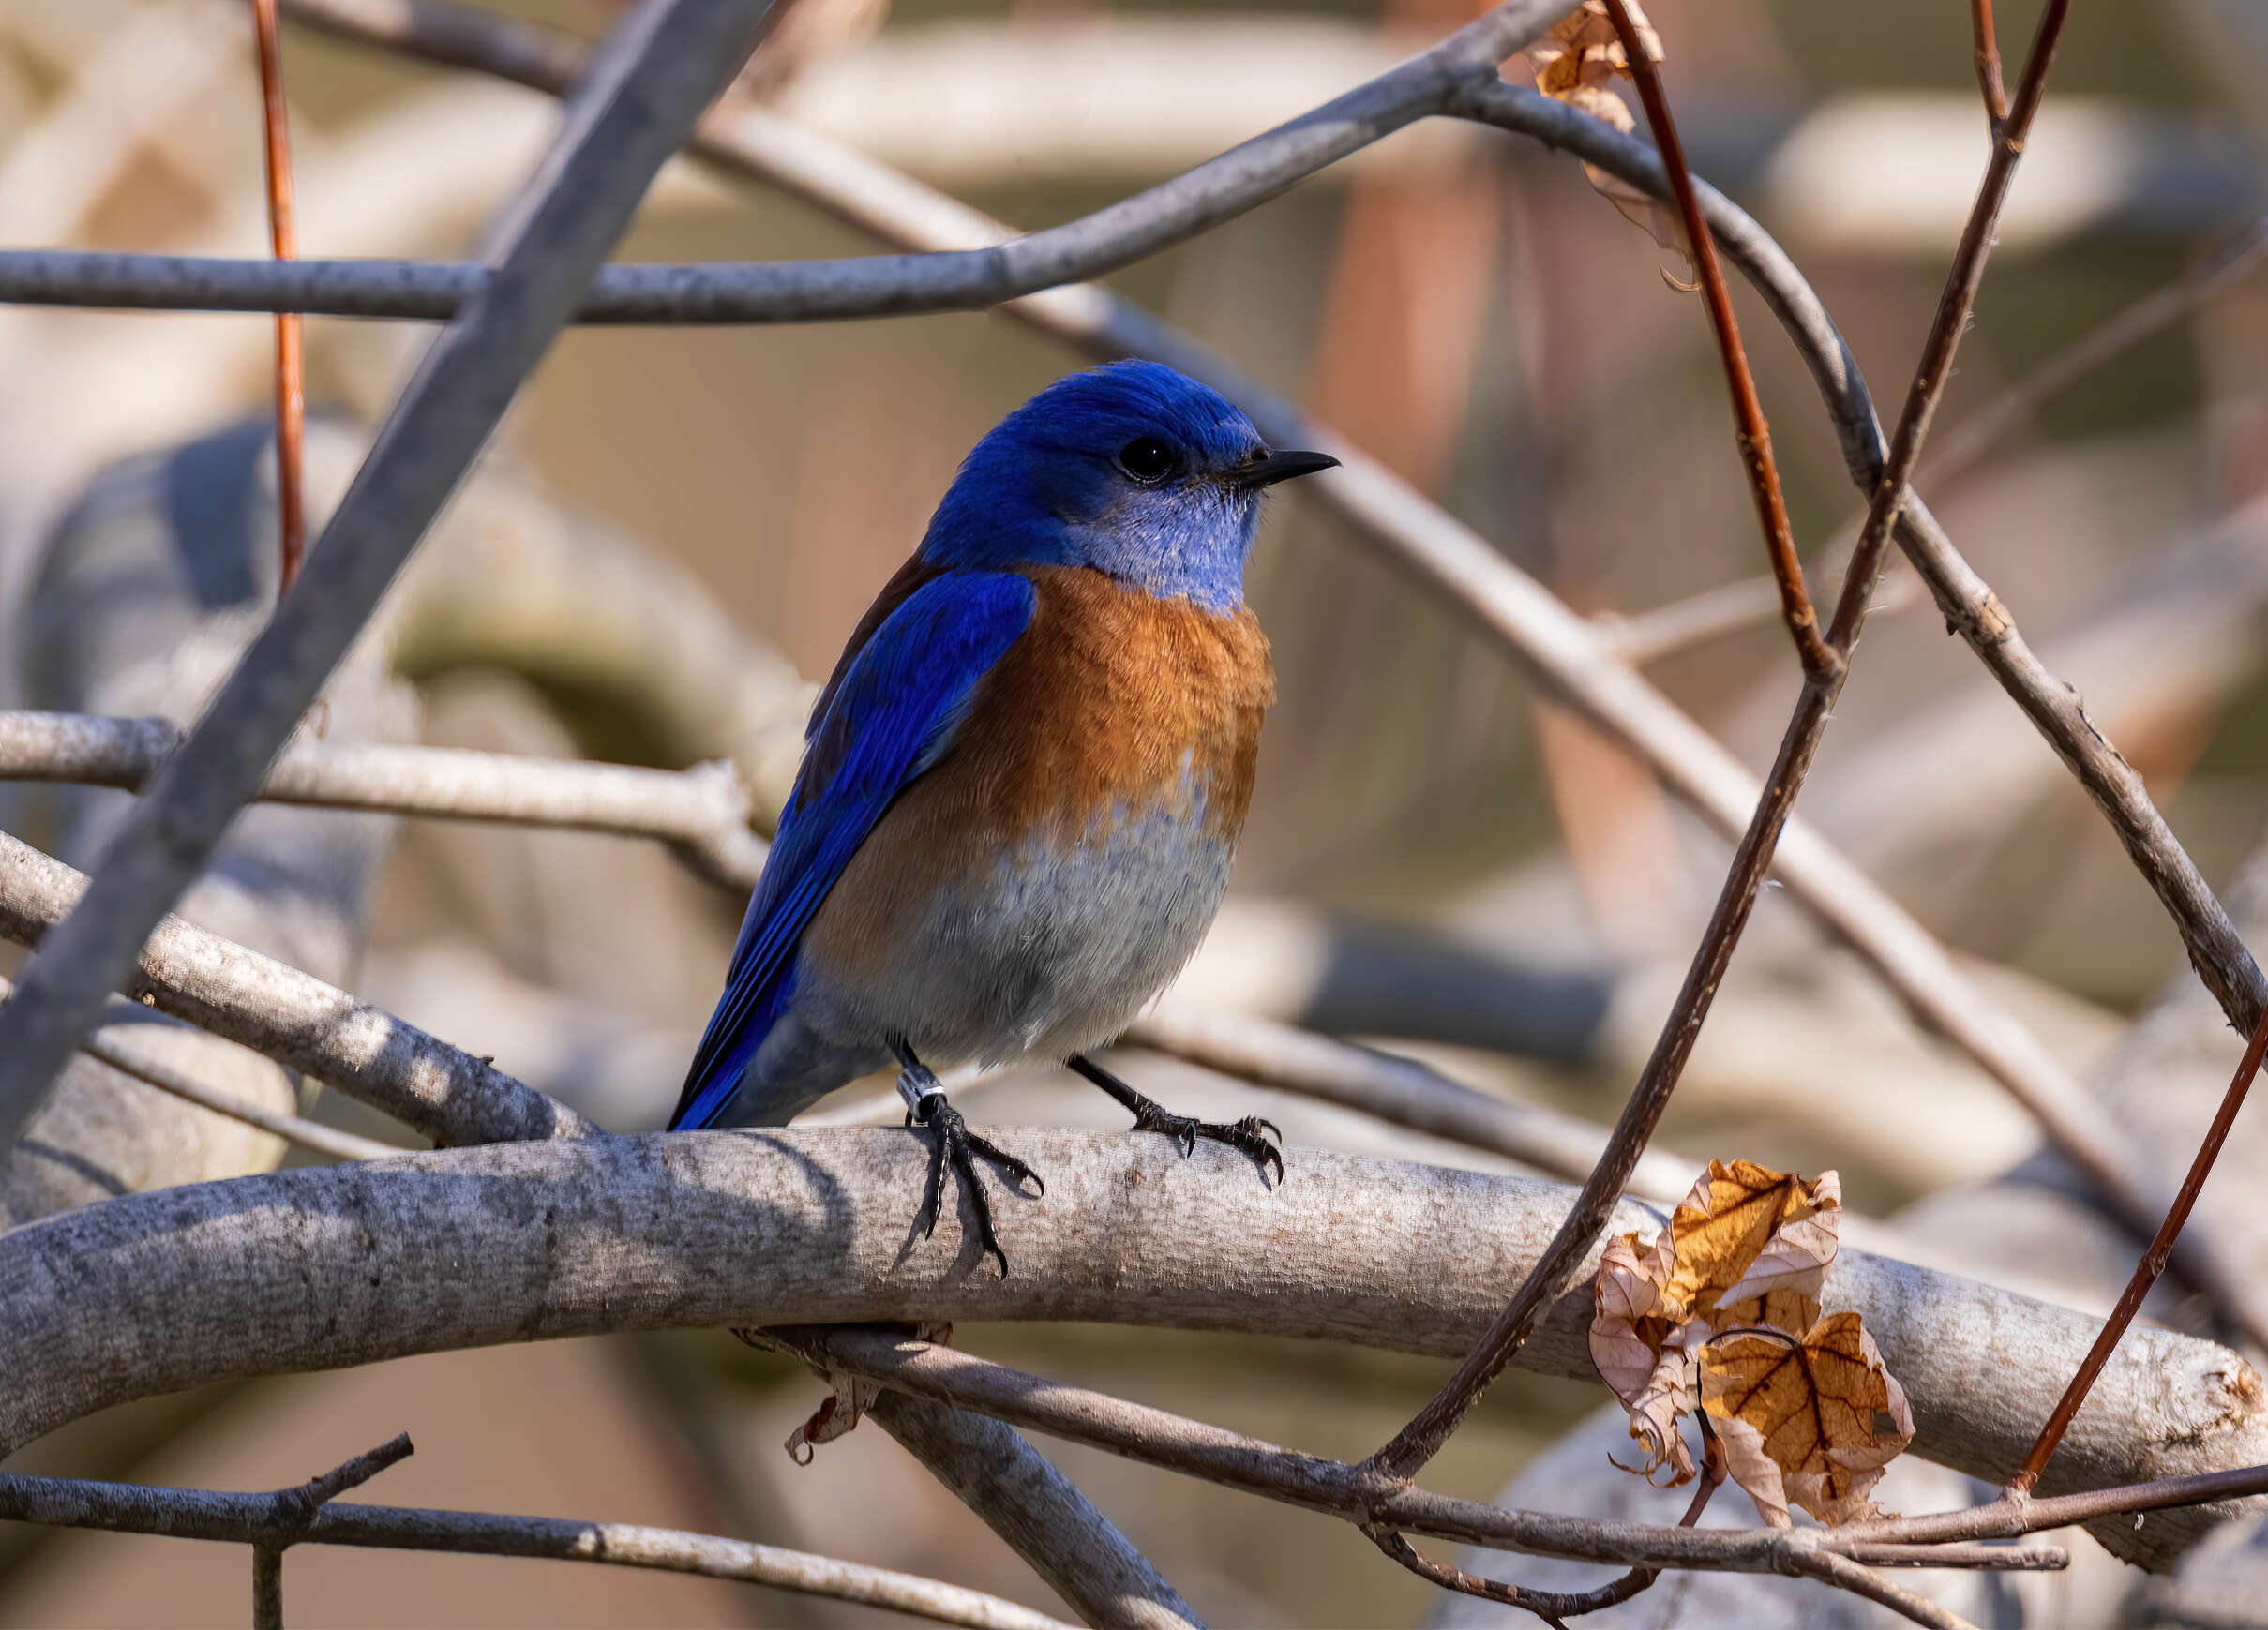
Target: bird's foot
1250,1135
956,1143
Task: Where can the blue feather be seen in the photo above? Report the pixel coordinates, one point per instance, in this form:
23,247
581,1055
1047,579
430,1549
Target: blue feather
892,716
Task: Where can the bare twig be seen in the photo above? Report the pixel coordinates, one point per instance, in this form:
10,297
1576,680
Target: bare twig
1988,65
1167,1440
2153,1264
2215,947
293,1509
1353,1493
1969,606
703,811
268,1588
1959,298
1422,1438
1755,434
305,1516
283,242
661,67
2216,950
1643,637
1888,939
1553,1607
805,292
292,1129
1960,450
320,1490
296,1018
2005,1518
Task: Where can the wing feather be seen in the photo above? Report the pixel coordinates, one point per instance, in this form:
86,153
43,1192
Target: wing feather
885,719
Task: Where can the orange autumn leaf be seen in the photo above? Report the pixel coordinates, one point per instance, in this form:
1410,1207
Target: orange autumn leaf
1720,1311
1813,1420
1746,1231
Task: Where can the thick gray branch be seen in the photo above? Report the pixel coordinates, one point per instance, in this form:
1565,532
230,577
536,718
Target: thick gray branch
348,1264
638,104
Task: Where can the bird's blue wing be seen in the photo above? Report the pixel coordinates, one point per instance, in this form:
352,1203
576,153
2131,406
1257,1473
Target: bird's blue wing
886,718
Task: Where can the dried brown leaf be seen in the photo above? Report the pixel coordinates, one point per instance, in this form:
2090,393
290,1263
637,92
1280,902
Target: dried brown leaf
1628,1321
848,1401
1582,50
838,1413
1795,1256
1720,1310
1577,63
1630,1330
1745,1229
1670,1391
1811,1420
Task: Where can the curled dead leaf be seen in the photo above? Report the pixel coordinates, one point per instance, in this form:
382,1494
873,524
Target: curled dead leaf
1577,63
838,1413
1631,1329
1813,1420
1670,1391
848,1402
1629,1319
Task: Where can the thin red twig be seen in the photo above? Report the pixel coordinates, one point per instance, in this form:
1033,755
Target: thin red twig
1755,436
1555,1269
2146,1272
1988,64
283,242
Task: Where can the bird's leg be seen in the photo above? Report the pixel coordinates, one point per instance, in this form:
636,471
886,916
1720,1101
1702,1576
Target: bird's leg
925,1106
1250,1135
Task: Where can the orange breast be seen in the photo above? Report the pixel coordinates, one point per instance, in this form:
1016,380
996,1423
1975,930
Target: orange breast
1114,701
1114,705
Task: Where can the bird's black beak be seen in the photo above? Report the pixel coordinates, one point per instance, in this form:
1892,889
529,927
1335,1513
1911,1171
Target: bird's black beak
1275,467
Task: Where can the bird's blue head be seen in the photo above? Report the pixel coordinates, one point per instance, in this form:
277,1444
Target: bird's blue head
1132,469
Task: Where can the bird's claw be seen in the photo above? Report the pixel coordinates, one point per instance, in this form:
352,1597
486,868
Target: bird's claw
1250,1135
958,1144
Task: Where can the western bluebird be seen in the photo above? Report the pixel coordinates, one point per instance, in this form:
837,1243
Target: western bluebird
1023,782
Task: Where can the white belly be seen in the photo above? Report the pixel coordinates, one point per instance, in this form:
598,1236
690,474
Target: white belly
1055,952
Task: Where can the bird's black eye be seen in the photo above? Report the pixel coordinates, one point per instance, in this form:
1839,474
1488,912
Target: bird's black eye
1148,459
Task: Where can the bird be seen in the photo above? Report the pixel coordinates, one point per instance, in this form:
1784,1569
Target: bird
1023,784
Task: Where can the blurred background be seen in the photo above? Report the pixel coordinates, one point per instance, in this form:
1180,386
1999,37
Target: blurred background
1437,858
